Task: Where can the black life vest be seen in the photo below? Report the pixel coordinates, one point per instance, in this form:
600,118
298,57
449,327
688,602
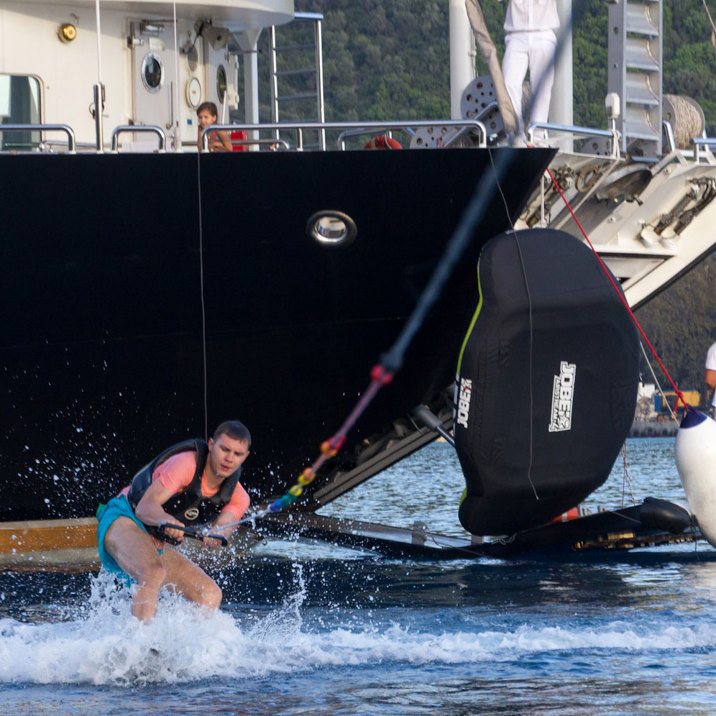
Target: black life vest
189,506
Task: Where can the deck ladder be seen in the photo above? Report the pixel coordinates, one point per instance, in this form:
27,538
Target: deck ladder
635,73
302,86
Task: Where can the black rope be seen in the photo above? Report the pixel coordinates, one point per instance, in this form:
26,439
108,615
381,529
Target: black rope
392,360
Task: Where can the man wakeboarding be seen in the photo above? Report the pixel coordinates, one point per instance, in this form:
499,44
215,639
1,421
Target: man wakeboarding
190,483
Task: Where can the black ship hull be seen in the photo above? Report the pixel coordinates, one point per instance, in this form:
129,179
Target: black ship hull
147,296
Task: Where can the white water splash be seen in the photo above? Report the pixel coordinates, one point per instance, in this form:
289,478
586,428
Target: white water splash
106,646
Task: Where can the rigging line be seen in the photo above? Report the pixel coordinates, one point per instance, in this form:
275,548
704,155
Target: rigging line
176,109
483,193
658,384
626,479
390,362
203,298
531,354
531,367
621,295
713,27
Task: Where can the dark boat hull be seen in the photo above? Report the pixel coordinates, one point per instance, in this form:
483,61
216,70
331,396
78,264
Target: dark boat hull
103,341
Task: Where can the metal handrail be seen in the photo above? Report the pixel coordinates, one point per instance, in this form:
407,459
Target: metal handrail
612,134
242,142
377,132
301,127
151,128
705,142
669,134
71,142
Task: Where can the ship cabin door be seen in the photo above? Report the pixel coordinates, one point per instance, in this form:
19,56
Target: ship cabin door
153,76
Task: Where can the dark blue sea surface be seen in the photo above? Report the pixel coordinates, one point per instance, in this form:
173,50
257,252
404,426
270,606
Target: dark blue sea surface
308,629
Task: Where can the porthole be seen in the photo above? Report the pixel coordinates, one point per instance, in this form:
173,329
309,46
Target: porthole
332,228
221,83
152,72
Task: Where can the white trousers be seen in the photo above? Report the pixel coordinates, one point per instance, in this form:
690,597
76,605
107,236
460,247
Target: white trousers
533,50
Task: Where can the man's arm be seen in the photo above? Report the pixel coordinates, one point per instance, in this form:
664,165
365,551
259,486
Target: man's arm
231,514
150,510
710,378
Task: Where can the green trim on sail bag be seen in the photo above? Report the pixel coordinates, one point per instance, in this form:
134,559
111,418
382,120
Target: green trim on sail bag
472,322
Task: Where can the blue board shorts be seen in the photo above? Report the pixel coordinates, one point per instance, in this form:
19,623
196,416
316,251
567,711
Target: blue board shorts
106,515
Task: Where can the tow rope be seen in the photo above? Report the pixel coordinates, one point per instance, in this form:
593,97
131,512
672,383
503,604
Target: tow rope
391,362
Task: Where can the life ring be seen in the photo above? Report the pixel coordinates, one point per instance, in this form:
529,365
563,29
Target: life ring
382,142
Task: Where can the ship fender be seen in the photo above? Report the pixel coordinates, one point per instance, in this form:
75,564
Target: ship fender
695,454
664,515
546,383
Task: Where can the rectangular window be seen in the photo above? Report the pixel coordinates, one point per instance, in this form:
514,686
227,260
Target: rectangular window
19,104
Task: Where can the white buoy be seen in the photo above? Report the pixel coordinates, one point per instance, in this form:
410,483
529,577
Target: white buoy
695,454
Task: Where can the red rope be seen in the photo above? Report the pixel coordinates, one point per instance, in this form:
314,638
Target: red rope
680,395
379,376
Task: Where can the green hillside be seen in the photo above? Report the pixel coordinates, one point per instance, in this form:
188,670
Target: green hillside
389,59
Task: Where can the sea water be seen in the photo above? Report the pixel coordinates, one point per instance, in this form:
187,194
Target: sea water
307,629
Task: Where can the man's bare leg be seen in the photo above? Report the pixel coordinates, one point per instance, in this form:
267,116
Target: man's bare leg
190,580
135,552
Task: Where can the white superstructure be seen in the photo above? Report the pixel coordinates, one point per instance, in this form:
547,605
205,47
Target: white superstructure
157,60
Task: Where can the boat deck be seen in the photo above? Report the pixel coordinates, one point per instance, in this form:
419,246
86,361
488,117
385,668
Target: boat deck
62,545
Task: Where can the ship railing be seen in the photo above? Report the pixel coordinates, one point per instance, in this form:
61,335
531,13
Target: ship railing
575,132
669,137
145,128
378,132
71,141
443,139
272,143
368,128
702,149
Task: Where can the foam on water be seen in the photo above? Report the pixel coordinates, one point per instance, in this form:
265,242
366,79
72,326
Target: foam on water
104,645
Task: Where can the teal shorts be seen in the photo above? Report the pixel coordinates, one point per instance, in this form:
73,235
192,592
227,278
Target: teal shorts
106,515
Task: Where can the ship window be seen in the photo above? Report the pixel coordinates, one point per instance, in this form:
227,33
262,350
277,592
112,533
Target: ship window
19,104
332,228
221,83
152,72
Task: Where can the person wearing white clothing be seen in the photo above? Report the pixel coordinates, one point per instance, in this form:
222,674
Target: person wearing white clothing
530,43
710,376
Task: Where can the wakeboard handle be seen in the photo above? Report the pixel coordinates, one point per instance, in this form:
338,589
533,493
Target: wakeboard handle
199,533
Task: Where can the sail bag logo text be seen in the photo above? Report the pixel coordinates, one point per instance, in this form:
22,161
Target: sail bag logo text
563,398
463,402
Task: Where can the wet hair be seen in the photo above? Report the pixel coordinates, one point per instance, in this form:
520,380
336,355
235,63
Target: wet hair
209,107
234,429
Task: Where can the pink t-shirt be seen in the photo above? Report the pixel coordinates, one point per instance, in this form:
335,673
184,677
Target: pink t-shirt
176,474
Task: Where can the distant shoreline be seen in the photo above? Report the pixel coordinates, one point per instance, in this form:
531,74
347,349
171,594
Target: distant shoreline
653,429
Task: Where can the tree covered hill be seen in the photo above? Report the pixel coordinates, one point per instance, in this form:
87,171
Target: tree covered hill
389,59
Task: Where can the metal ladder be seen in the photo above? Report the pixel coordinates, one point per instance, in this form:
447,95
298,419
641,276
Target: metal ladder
635,73
309,80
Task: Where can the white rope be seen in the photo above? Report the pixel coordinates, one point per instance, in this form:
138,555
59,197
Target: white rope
713,27
177,106
531,333
656,382
202,297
